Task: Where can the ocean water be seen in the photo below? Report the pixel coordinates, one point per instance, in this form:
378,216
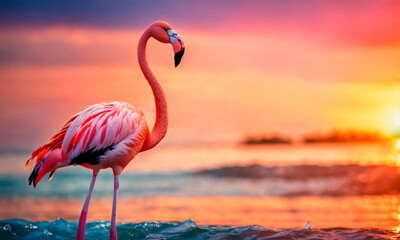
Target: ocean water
344,191
61,229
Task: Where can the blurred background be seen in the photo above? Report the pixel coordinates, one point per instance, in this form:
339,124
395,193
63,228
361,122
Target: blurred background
281,112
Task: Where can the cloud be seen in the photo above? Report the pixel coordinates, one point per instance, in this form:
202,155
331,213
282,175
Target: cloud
67,46
356,22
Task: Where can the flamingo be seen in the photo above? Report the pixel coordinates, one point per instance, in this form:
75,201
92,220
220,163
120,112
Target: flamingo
109,135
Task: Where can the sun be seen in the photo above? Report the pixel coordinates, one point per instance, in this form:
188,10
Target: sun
393,124
396,120
396,123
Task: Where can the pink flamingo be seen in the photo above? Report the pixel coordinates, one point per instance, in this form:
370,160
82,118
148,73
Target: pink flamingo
109,135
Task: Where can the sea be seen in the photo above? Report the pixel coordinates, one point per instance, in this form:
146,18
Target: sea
216,191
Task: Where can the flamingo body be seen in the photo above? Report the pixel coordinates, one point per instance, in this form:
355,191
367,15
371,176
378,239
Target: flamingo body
109,135
104,135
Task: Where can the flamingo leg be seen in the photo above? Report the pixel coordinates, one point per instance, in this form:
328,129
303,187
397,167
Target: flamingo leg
113,227
80,235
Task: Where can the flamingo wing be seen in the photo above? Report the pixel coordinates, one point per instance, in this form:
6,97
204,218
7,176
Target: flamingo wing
101,130
97,130
91,133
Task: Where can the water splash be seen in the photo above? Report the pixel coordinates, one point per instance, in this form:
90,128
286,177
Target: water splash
61,229
308,225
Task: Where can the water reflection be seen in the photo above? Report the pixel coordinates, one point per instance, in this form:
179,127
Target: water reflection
397,229
330,185
270,212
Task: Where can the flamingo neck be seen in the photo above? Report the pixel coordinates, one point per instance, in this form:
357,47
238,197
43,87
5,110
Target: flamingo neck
161,123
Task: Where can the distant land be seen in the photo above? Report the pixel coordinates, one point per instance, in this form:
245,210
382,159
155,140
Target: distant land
267,140
346,136
334,136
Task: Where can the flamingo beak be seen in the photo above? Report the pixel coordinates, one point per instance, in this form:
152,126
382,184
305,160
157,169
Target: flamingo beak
36,174
40,171
178,56
177,45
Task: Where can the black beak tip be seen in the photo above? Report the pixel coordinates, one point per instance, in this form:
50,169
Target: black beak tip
178,57
32,182
34,174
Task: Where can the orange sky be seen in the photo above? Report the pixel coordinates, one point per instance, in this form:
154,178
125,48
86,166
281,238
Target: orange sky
303,68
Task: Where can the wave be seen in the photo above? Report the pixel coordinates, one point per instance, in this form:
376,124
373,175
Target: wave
252,180
297,172
341,179
61,229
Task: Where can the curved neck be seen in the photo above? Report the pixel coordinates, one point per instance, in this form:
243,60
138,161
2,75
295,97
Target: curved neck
161,123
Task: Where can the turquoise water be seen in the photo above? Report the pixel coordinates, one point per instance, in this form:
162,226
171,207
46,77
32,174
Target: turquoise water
61,229
250,180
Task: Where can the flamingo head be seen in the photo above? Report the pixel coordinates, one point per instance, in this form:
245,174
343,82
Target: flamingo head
163,32
49,163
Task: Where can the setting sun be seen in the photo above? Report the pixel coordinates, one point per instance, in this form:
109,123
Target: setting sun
393,122
397,120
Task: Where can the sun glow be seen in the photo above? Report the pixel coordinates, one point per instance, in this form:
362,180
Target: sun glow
396,120
393,123
398,154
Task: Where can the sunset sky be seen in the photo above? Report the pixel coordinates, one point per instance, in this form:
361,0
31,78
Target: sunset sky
250,67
